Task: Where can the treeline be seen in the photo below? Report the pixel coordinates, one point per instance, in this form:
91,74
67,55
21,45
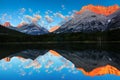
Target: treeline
113,35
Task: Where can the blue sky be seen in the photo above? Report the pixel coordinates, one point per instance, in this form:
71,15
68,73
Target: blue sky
51,12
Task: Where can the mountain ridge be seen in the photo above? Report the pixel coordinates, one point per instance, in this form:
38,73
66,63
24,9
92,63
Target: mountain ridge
93,62
108,69
86,20
33,29
103,10
89,21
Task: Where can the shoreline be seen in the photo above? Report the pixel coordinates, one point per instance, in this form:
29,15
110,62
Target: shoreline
64,42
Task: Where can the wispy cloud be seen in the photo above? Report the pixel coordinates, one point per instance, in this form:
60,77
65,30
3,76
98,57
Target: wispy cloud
22,72
48,12
30,10
60,15
22,10
35,64
49,63
33,19
63,7
49,19
5,17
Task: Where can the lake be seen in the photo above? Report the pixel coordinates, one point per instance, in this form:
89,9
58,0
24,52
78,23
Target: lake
60,61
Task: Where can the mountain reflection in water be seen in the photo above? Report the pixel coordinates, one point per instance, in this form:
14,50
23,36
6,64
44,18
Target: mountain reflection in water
60,62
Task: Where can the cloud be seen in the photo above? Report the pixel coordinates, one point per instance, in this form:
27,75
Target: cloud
66,17
49,63
63,7
37,16
48,12
48,19
5,16
30,10
74,11
22,72
33,19
60,68
35,64
20,58
3,66
59,15
30,73
42,22
22,10
66,64
69,12
38,12
28,18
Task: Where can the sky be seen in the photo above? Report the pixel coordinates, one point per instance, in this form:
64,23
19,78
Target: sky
47,13
45,67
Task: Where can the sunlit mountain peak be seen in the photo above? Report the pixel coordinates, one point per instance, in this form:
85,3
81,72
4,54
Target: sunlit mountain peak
108,69
100,9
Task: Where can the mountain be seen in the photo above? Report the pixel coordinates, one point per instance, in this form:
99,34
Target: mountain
103,10
93,62
27,54
86,22
6,31
54,53
21,24
32,29
92,19
87,26
7,24
53,28
10,35
108,69
90,62
91,59
114,20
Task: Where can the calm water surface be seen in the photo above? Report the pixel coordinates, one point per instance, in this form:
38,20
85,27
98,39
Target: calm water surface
60,62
